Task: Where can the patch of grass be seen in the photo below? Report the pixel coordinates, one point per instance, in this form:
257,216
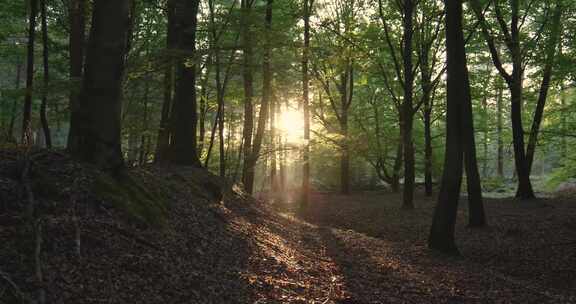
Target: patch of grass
129,192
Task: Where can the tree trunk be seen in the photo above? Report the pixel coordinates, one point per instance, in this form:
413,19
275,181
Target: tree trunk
515,84
397,167
163,142
14,109
204,105
428,182
544,86
407,107
485,136
346,94
500,157
306,105
99,132
458,90
45,53
27,112
476,213
183,147
77,39
524,190
247,169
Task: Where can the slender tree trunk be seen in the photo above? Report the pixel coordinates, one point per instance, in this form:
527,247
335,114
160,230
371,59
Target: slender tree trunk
477,217
426,84
397,167
45,53
458,90
273,148
77,39
247,171
407,107
251,159
525,190
428,182
14,110
184,144
99,136
500,128
524,185
485,136
544,86
345,157
143,159
220,115
563,141
306,105
163,142
346,94
204,105
27,112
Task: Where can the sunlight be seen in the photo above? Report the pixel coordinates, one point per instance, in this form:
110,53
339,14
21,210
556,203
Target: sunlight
291,125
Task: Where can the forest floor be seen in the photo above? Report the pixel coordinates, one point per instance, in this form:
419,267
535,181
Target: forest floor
218,245
527,254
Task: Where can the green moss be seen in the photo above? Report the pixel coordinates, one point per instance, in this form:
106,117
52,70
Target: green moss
129,193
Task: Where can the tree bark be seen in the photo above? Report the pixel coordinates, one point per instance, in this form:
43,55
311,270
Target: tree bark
544,86
458,90
514,82
45,53
476,215
14,110
500,152
164,132
247,169
407,107
524,190
346,95
183,146
252,151
77,39
27,112
99,132
308,4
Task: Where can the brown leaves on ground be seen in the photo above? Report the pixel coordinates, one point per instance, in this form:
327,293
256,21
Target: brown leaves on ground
526,254
359,249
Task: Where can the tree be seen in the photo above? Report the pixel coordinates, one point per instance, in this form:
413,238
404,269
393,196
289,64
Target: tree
308,7
164,131
405,73
517,52
99,121
408,105
458,99
77,16
45,54
334,69
27,113
551,47
184,120
253,143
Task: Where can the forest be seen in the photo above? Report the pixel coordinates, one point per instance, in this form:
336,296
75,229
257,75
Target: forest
287,151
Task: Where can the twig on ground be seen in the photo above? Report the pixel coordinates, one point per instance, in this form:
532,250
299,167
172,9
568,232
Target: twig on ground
17,291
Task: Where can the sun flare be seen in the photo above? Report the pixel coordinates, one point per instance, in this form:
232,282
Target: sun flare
291,125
